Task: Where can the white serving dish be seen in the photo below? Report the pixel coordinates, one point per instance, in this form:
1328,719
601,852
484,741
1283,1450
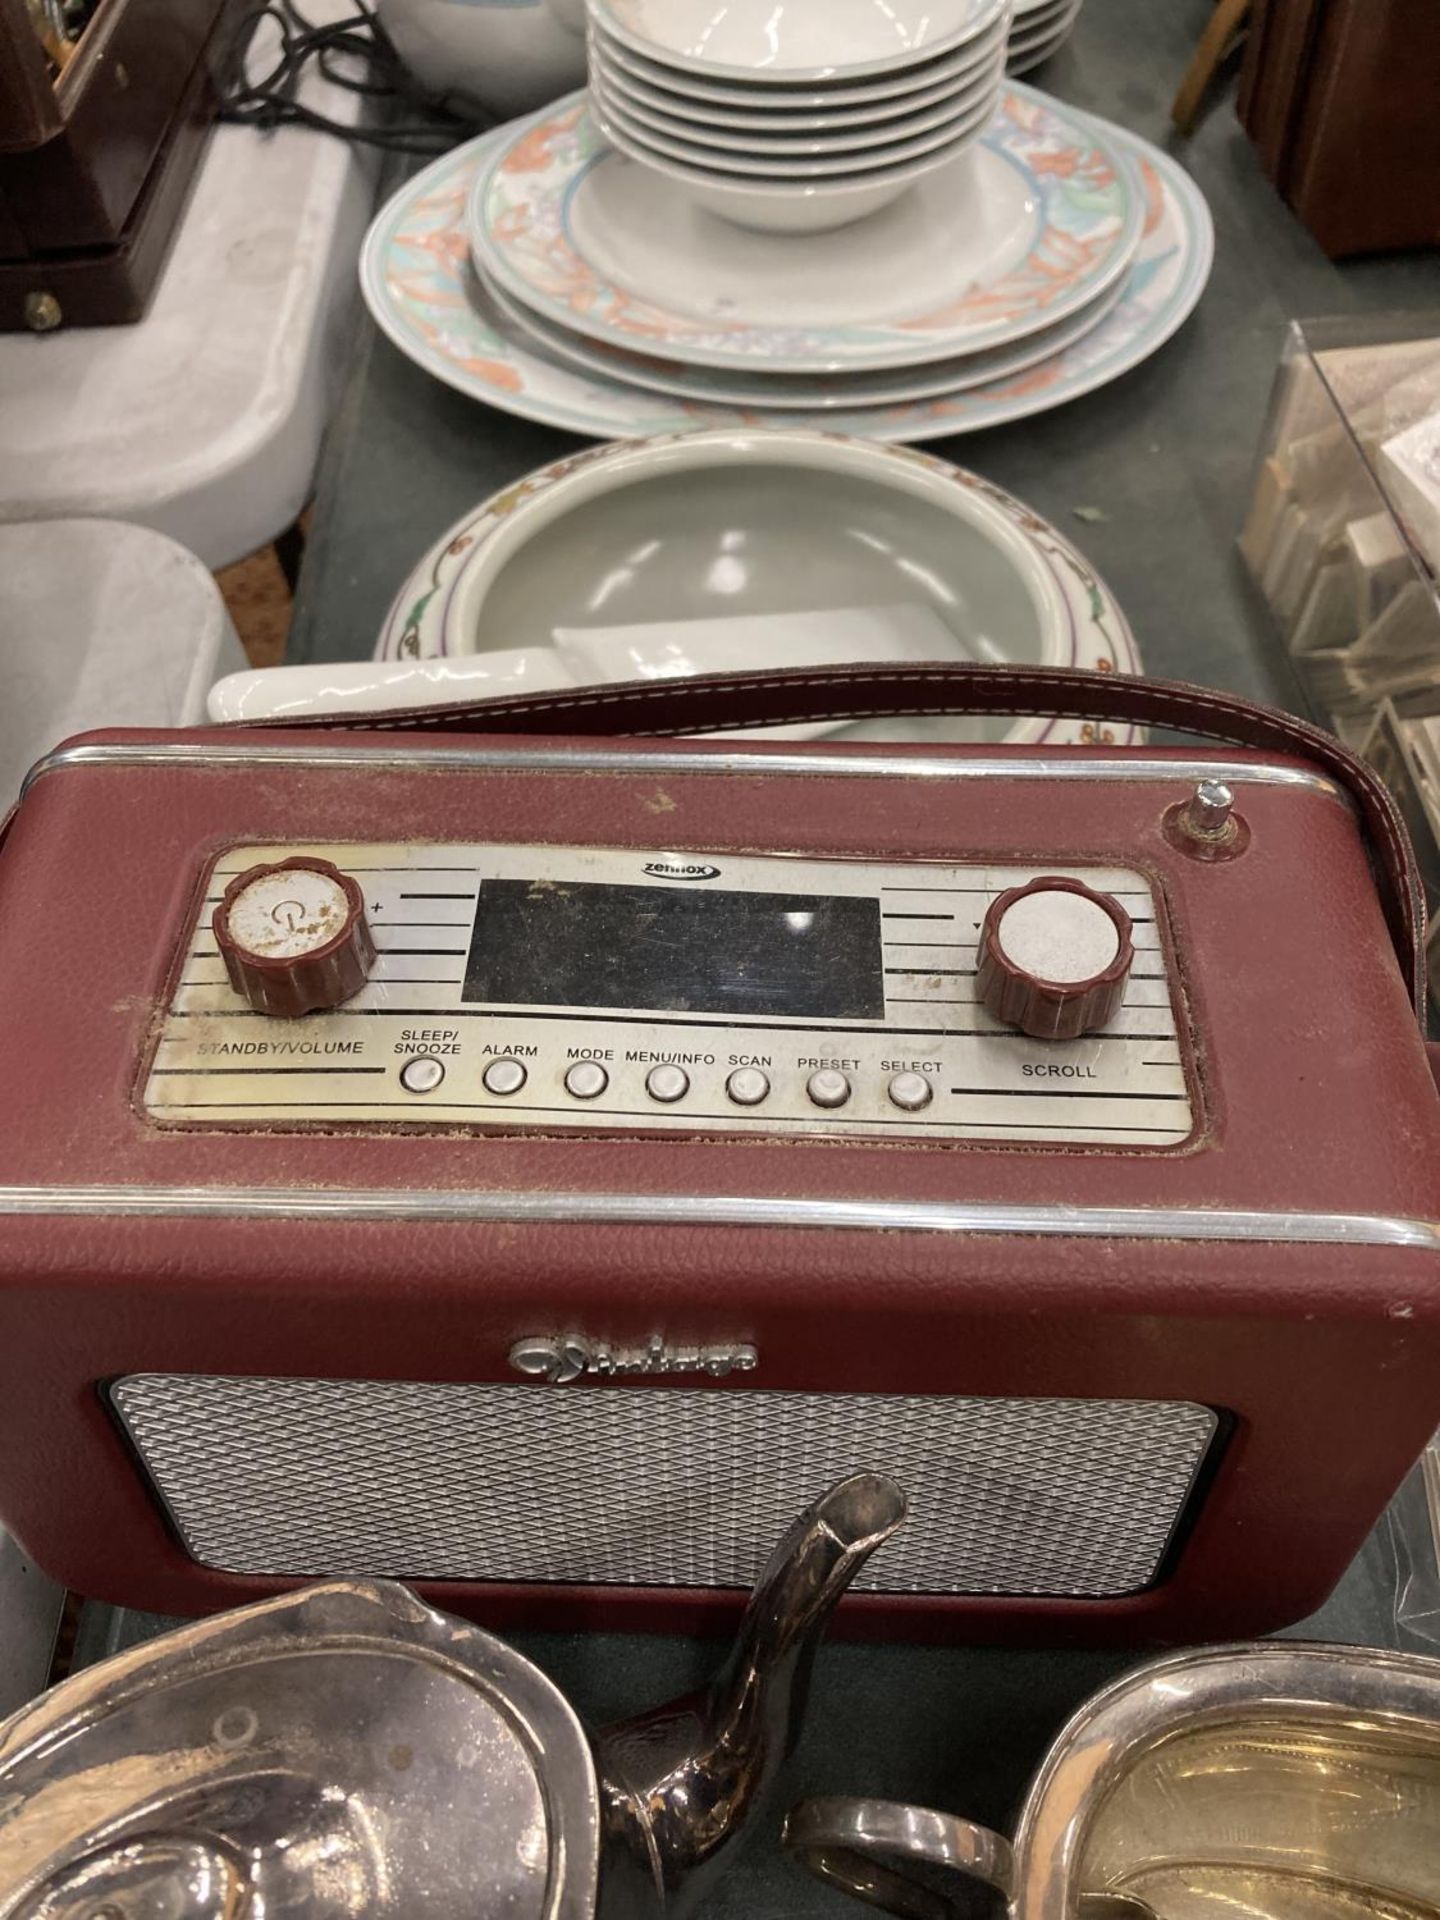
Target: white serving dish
809,206
777,163
792,96
783,118
372,686
759,40
436,614
714,524
789,144
592,656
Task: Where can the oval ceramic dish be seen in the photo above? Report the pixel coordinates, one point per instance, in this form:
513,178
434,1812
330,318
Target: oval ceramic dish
427,615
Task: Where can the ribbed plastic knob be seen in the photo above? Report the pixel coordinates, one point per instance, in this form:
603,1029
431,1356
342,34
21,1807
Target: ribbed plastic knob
294,937
1054,958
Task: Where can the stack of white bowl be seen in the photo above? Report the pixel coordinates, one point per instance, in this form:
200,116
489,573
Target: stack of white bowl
794,119
1040,28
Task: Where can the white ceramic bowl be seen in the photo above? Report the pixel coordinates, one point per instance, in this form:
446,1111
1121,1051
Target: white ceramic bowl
773,205
489,56
758,40
678,528
789,142
779,161
805,96
722,524
1031,43
605,540
790,114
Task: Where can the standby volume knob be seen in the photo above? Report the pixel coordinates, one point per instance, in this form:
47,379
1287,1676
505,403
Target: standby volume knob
1054,956
294,937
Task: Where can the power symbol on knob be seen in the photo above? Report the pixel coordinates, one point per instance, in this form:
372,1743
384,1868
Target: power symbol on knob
1054,958
294,937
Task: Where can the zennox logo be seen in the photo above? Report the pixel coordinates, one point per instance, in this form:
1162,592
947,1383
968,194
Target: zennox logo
678,870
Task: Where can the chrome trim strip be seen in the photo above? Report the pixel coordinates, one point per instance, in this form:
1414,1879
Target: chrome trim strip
1082,765
726,1210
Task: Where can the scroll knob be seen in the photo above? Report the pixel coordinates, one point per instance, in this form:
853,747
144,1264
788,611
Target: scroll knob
294,937
1054,957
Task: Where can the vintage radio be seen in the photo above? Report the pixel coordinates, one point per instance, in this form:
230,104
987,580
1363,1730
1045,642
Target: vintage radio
526,1166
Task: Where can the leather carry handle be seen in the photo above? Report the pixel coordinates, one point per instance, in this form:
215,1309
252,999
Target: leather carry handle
715,703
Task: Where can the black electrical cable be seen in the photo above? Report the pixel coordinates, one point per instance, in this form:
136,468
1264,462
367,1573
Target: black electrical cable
271,99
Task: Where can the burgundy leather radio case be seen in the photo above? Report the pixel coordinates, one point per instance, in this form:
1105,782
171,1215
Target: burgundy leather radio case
1147,1322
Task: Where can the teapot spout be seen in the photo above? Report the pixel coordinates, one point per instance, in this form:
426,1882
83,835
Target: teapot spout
680,1782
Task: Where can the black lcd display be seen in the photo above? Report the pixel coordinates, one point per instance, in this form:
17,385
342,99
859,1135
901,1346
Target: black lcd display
560,943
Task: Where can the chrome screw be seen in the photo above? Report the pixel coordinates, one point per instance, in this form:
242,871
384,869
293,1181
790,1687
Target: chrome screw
1209,812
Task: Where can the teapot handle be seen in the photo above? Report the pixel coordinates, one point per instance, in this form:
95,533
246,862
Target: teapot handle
862,1845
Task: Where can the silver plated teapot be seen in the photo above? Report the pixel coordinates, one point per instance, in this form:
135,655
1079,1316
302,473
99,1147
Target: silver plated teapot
348,1750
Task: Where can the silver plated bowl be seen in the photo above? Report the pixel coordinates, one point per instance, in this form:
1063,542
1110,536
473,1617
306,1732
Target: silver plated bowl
1275,1781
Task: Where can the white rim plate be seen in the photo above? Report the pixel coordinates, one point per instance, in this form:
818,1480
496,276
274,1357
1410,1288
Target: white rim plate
425,297
821,99
730,169
839,39
1066,199
786,391
783,120
797,143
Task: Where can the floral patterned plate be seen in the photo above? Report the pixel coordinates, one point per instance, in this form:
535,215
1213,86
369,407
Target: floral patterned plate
422,623
1032,222
423,293
791,391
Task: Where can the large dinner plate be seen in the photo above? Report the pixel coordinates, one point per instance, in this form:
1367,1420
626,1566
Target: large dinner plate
423,293
1023,228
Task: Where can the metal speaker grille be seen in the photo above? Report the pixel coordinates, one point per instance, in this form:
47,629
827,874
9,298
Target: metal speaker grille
656,1487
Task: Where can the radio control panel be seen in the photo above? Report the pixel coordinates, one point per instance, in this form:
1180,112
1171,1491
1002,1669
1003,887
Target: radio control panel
544,987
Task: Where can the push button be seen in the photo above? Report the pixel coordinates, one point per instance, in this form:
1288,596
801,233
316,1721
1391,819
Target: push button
748,1086
586,1080
667,1084
828,1088
504,1076
422,1075
910,1092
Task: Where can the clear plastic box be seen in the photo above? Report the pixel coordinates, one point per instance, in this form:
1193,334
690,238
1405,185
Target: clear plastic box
1342,537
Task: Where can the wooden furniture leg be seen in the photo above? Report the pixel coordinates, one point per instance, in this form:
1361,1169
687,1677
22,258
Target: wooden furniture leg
1226,21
